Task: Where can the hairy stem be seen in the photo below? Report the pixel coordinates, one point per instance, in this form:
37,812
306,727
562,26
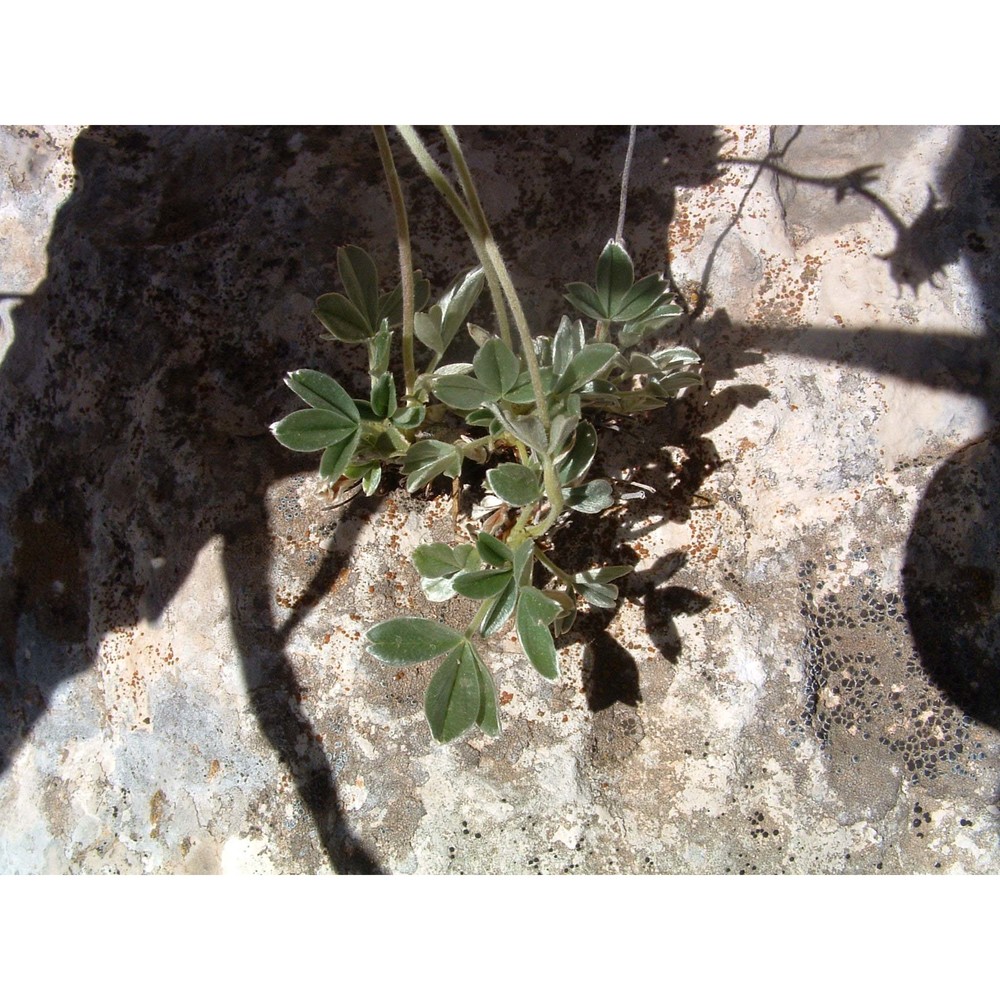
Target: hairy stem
553,491
626,170
553,568
466,216
405,255
478,620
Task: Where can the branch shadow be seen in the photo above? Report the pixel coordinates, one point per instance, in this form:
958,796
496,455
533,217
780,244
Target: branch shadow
950,587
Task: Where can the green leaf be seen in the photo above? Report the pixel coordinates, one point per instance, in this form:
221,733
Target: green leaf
602,574
482,584
671,384
323,392
500,608
488,719
641,298
453,698
535,612
427,459
427,329
478,334
567,612
523,560
578,460
437,559
336,457
390,305
438,589
383,397
360,278
457,300
311,430
410,418
591,497
401,641
493,551
584,299
642,364
631,333
615,276
568,343
592,361
496,367
598,595
461,392
528,429
543,350
342,318
378,350
669,357
515,483
371,479
563,425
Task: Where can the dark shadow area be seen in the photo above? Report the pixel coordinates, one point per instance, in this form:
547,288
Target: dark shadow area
137,394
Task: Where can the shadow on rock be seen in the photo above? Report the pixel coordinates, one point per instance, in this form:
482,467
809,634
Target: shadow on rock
135,400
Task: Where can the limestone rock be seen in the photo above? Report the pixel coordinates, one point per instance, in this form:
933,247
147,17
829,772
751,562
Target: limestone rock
802,674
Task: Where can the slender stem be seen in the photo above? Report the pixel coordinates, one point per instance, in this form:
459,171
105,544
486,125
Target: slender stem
496,294
465,178
467,217
496,258
601,330
524,332
553,568
626,170
553,491
405,255
438,179
486,249
478,620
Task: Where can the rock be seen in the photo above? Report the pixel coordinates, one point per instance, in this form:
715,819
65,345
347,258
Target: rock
801,673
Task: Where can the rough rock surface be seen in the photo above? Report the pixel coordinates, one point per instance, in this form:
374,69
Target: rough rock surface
803,673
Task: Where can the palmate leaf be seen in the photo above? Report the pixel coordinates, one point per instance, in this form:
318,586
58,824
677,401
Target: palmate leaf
584,299
631,333
437,559
383,396
641,298
462,392
454,696
401,641
457,300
